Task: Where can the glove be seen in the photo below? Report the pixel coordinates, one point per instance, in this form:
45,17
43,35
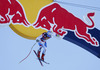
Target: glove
57,35
37,40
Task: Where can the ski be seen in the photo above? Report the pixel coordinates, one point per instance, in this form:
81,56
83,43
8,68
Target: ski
38,58
45,62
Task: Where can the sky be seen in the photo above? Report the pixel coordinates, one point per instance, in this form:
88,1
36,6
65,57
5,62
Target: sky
61,54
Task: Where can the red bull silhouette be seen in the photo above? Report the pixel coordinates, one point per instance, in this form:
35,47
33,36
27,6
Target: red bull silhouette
54,17
12,11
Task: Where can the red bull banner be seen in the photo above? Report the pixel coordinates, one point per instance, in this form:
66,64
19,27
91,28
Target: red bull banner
50,16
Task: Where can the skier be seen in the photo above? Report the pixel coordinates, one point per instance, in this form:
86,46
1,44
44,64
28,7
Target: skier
42,43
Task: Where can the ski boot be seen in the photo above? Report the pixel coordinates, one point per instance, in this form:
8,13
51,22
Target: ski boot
42,57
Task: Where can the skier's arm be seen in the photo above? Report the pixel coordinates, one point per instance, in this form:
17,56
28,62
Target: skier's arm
57,35
38,38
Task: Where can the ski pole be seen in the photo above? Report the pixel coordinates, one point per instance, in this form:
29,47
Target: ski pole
28,54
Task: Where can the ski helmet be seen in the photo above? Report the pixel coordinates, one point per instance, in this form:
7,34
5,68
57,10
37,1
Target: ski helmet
49,32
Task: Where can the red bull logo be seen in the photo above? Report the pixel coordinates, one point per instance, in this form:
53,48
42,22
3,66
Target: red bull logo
12,12
59,20
52,17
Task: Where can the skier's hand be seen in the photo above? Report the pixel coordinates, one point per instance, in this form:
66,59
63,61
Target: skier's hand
37,40
57,35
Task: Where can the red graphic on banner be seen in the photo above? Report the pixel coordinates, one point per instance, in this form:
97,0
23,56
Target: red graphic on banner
54,17
12,11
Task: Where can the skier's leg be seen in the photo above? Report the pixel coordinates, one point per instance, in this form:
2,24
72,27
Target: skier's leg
39,50
44,50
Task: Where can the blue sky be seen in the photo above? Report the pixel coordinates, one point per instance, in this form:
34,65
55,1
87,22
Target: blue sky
61,54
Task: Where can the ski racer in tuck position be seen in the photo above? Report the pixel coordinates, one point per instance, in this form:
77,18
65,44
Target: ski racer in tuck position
42,43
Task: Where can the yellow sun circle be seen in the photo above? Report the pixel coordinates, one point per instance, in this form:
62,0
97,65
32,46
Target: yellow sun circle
31,8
